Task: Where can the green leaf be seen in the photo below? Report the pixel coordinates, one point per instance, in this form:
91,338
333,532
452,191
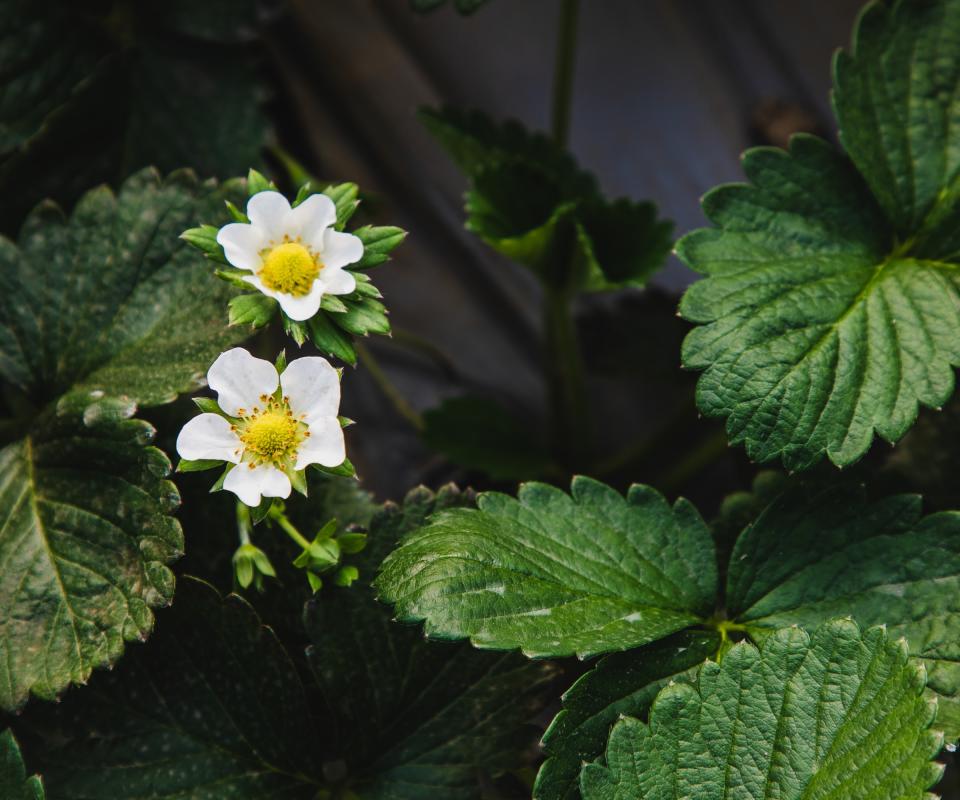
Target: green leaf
557,574
895,97
214,707
98,313
818,552
621,684
421,718
835,713
255,310
831,299
480,434
328,339
14,783
378,243
623,243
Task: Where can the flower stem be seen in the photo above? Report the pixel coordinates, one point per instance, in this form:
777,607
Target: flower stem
565,368
565,60
281,519
244,523
397,400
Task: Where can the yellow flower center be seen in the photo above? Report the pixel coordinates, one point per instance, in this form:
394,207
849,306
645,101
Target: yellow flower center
290,268
271,436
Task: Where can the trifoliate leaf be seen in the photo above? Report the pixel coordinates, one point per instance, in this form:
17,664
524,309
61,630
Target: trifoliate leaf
819,552
478,433
531,202
621,684
99,92
830,304
14,783
836,713
421,718
106,304
557,574
214,707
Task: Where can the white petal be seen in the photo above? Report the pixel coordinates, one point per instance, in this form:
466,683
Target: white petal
313,216
208,436
250,484
339,249
313,388
297,308
325,445
337,281
270,212
239,380
241,244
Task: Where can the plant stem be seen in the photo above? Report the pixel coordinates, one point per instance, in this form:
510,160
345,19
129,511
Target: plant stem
565,368
281,519
397,400
244,523
565,60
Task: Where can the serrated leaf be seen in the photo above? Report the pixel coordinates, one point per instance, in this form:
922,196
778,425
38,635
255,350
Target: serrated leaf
557,574
421,718
818,552
621,684
14,783
99,312
378,243
214,707
831,296
835,713
896,98
478,433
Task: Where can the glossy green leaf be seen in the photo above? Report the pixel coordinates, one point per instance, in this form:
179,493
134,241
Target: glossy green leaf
478,433
831,298
836,713
621,684
421,718
214,707
98,313
14,783
819,552
556,574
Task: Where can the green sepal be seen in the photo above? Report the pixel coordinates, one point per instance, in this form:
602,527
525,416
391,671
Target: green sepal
280,364
345,470
255,310
234,277
260,512
363,316
198,465
315,581
257,183
365,287
345,422
204,239
333,304
218,486
346,576
302,194
236,213
328,339
378,242
298,480
344,196
295,330
208,405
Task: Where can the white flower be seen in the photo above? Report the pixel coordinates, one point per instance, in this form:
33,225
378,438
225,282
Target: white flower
295,255
278,424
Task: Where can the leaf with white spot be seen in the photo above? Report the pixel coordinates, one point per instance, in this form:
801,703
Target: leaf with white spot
98,313
556,574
